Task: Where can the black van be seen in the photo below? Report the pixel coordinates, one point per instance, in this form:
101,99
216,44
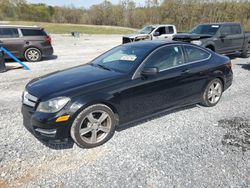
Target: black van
28,42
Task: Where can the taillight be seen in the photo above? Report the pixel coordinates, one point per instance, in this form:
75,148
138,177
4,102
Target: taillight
47,39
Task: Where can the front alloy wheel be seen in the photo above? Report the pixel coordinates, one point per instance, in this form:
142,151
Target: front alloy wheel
94,126
213,93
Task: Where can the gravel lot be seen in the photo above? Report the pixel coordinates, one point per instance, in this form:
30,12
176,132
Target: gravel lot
192,147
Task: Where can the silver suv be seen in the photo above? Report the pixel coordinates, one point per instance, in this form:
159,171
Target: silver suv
29,42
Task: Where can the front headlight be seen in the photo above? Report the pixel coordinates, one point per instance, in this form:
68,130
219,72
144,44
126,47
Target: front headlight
197,42
53,105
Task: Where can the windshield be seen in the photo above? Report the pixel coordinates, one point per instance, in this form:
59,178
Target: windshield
205,29
121,59
147,30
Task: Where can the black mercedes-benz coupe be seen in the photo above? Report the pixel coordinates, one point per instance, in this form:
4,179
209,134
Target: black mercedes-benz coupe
127,83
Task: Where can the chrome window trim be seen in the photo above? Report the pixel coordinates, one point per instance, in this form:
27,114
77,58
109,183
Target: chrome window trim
181,45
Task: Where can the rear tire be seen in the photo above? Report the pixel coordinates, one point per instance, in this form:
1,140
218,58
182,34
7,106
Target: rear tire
94,126
246,52
33,55
212,93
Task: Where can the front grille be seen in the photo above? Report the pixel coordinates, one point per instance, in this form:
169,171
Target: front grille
29,99
126,40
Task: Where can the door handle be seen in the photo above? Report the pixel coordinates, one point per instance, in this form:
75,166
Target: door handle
166,37
186,71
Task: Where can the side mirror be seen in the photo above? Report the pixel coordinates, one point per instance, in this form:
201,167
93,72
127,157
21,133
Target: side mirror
149,71
223,35
156,34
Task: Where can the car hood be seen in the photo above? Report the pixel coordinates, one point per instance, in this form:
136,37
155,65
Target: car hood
187,37
68,80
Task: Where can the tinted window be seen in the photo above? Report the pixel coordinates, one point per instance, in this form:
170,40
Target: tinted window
8,33
161,30
226,29
33,32
236,29
196,54
170,29
165,58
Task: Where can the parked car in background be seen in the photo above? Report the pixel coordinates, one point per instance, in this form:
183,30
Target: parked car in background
224,38
29,42
127,83
152,32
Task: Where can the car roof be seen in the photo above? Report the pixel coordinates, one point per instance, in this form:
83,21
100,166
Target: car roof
153,44
20,26
220,23
161,25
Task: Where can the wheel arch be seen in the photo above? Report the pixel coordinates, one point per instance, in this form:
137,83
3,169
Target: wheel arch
95,102
222,81
211,47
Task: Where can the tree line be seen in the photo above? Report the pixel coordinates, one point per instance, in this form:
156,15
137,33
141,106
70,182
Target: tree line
183,13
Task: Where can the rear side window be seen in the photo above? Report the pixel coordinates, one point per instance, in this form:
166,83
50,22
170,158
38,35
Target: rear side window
170,29
166,58
33,32
236,29
8,33
195,54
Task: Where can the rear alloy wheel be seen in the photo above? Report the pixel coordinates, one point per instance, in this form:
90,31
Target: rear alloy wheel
33,55
212,93
94,126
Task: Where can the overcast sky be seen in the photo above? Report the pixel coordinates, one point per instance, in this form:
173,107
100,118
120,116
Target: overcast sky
76,3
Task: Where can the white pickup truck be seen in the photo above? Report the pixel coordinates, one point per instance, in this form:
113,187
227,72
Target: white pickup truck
152,32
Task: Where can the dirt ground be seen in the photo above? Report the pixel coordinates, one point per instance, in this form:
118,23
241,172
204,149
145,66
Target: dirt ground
191,147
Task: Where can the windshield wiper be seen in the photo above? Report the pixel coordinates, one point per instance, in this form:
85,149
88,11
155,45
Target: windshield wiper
103,67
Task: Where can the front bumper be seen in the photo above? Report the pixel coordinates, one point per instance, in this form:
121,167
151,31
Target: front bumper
44,127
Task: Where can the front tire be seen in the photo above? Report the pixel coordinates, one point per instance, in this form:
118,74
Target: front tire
94,126
33,55
212,93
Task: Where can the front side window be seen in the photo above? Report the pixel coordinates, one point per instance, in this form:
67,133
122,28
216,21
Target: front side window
161,30
8,33
196,54
226,30
166,58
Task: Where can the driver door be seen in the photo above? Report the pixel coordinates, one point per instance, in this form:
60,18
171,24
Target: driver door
145,95
224,42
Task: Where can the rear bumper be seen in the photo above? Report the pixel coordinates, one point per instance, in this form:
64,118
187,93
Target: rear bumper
47,51
44,128
228,80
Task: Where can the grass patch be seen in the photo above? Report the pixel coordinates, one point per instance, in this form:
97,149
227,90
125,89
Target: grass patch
55,28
